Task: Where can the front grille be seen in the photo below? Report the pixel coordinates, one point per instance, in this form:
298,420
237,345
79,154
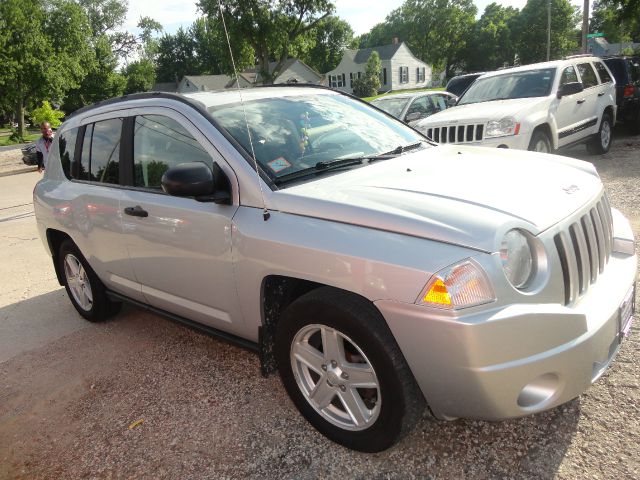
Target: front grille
584,249
456,133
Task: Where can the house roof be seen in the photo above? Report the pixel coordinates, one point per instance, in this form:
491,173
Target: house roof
287,63
386,52
210,82
165,87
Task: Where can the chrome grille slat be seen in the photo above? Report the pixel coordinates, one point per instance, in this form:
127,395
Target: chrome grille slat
467,133
584,248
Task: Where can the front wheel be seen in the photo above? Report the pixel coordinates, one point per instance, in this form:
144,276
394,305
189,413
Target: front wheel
540,142
344,371
601,141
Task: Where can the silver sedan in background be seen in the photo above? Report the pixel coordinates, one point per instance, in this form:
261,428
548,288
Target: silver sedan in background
412,107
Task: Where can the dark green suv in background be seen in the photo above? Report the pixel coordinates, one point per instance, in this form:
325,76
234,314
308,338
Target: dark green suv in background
626,71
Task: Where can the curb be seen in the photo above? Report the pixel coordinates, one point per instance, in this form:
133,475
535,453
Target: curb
19,170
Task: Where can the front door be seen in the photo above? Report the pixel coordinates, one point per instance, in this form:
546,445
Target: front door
180,248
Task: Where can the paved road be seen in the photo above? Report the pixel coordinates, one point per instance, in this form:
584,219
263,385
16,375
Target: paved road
12,147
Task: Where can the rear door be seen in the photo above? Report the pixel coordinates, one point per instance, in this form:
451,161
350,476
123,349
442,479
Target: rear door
181,248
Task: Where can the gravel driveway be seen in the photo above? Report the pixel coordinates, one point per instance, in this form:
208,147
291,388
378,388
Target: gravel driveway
141,397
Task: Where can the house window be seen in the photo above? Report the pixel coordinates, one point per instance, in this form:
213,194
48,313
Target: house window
336,81
359,74
404,74
351,80
420,74
383,76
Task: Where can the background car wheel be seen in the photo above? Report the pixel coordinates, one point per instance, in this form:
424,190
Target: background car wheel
344,371
540,142
601,141
86,291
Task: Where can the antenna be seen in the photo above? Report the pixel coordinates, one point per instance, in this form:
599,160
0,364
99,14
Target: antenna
265,212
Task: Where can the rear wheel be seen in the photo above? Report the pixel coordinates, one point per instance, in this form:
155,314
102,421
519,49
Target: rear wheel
86,291
540,142
601,141
344,371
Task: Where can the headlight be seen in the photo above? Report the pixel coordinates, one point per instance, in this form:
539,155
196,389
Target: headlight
517,256
462,285
503,127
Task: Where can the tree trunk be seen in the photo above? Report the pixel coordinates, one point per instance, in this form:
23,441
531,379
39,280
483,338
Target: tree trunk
264,69
20,117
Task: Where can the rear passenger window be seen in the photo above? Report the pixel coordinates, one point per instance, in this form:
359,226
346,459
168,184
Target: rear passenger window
160,143
603,72
67,145
588,75
105,151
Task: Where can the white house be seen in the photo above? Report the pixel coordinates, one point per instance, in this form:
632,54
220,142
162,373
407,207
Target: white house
400,69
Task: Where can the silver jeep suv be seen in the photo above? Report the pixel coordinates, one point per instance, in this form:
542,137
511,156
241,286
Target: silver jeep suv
378,273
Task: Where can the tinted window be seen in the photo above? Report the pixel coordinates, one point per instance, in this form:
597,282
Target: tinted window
602,71
105,151
587,75
422,106
440,102
634,70
616,65
83,174
569,75
67,144
161,143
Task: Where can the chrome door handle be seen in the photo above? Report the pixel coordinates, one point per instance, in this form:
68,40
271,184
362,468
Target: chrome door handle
581,101
136,211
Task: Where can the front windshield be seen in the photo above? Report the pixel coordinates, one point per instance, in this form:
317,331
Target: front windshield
523,84
297,132
393,106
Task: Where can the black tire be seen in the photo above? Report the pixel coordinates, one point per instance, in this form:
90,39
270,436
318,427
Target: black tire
100,307
398,402
538,139
601,142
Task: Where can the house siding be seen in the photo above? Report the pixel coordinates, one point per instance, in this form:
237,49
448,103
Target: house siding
299,72
402,58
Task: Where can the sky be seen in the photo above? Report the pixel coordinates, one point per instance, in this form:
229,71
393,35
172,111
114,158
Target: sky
359,13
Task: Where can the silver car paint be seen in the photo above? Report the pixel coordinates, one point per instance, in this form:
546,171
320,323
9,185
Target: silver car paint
383,248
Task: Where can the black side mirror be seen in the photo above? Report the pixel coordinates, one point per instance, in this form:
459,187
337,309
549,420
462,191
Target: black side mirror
451,102
195,179
570,88
412,117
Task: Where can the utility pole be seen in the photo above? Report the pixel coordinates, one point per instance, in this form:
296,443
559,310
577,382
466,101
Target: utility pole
549,29
585,25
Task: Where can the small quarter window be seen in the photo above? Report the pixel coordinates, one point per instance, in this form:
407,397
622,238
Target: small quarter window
67,145
160,143
569,75
83,173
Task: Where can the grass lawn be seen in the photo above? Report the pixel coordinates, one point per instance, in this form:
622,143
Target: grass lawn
31,137
396,92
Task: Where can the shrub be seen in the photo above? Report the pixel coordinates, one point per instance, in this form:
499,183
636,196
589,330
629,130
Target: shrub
46,113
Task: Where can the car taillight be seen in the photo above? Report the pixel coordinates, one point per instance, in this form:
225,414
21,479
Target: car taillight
629,90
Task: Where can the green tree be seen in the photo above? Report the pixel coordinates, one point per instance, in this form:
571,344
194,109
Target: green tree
46,113
43,51
140,75
619,20
369,84
491,42
331,36
176,56
530,30
274,30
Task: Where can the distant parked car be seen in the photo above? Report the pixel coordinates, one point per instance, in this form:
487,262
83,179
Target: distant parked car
458,85
412,107
29,155
626,71
539,107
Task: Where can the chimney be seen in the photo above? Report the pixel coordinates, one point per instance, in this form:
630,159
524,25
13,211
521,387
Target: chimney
395,40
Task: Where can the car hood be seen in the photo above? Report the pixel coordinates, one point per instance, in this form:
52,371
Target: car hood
482,112
468,196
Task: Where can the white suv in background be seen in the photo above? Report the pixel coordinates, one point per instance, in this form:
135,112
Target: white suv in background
538,107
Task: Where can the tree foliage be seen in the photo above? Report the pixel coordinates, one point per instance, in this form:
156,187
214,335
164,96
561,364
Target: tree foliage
140,75
275,30
369,84
45,113
619,20
330,36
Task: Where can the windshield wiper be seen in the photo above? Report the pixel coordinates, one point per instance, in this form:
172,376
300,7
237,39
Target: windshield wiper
319,168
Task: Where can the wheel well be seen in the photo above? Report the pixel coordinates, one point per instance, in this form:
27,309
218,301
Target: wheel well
277,294
55,239
609,110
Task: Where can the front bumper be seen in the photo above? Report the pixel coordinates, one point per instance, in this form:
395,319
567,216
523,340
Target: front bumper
516,360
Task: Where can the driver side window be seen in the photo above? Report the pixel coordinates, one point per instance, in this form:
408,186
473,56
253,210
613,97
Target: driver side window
161,143
568,76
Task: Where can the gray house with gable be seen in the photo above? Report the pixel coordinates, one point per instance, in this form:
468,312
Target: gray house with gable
401,70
